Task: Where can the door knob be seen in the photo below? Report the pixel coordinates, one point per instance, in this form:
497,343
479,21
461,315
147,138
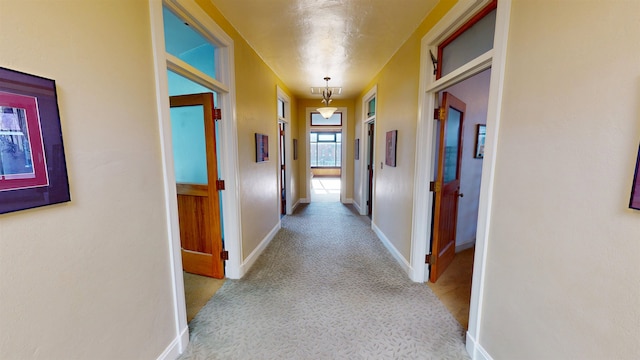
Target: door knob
461,194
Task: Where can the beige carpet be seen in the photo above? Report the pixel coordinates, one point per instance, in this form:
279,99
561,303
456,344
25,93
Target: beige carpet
325,288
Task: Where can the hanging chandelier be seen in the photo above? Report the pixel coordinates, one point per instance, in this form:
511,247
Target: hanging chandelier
327,111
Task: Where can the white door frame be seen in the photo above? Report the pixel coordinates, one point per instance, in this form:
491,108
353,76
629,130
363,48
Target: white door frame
224,85
343,157
429,87
364,153
287,149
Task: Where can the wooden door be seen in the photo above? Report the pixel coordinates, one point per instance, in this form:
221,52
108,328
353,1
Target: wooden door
194,145
447,185
283,187
370,167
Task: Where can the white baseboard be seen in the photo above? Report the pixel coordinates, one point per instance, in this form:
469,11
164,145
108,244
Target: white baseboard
392,249
177,346
348,201
475,350
357,206
466,245
293,208
304,201
251,259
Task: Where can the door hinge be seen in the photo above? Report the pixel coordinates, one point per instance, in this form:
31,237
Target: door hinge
367,202
224,255
219,185
435,186
217,114
281,132
282,167
427,259
438,114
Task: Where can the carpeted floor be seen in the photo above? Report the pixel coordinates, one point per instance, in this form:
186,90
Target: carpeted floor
325,288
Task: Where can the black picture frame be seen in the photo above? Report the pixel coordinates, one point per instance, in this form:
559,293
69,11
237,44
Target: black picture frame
391,143
634,202
33,169
262,147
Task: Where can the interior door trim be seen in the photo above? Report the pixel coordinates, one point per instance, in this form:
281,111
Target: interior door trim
364,181
457,16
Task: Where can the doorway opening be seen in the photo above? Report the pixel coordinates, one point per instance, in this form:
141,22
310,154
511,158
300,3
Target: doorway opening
326,156
364,162
192,55
453,285
370,167
285,153
326,164
468,66
195,138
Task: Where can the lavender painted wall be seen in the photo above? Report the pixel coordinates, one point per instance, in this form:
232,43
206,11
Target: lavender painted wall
475,93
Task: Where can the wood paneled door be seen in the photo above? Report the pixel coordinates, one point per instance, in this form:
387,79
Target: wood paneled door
447,185
196,169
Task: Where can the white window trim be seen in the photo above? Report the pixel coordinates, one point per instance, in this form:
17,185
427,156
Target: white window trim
224,85
429,86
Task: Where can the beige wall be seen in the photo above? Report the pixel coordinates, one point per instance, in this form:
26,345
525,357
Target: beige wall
256,112
303,104
90,279
563,262
397,109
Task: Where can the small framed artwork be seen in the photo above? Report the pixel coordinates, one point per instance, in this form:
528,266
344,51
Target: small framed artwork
262,147
356,150
295,149
390,158
33,169
481,133
634,203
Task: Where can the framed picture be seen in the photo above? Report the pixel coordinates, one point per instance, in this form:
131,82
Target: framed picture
356,150
390,158
295,149
481,133
262,147
634,203
33,169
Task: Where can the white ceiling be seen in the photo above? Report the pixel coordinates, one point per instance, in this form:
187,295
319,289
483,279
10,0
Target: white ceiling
305,40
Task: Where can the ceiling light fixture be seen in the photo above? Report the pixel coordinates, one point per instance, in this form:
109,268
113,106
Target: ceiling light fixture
327,111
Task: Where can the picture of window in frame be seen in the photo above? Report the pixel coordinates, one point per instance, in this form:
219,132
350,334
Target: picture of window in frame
262,148
33,168
390,152
481,133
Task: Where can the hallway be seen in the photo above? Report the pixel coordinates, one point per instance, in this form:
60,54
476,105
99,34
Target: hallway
325,288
